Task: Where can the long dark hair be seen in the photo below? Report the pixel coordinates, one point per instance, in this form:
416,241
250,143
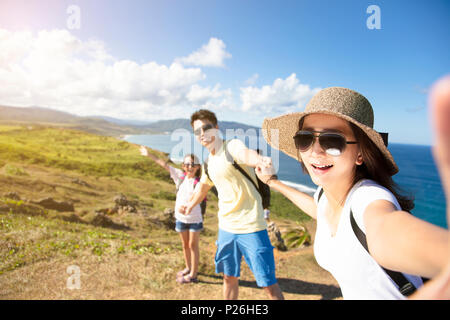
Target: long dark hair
375,167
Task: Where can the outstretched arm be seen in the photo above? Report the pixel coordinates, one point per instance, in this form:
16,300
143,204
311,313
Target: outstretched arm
243,155
439,103
252,159
399,241
159,161
302,200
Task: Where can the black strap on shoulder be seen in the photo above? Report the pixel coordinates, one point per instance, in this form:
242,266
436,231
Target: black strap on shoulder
205,168
240,169
404,285
320,194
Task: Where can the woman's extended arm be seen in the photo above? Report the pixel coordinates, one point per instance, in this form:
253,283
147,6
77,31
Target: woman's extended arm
302,200
399,241
439,103
430,243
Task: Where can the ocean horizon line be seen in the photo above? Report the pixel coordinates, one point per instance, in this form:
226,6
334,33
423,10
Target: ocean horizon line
126,136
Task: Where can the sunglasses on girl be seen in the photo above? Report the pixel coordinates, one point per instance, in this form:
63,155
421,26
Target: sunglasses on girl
332,142
190,164
205,128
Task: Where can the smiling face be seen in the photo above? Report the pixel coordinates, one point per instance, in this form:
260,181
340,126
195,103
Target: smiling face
190,167
327,170
205,132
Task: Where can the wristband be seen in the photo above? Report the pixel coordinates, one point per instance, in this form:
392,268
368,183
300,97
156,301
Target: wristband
272,177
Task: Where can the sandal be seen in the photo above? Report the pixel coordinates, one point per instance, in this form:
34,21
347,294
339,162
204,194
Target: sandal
184,272
186,279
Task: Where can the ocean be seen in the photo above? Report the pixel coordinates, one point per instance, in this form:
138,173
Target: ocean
417,176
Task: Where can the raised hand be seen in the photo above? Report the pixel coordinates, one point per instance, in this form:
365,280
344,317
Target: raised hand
143,151
264,169
439,104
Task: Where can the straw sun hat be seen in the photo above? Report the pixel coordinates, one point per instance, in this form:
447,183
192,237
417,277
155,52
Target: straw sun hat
340,102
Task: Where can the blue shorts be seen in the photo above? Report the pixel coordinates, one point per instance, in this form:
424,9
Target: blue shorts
192,227
257,251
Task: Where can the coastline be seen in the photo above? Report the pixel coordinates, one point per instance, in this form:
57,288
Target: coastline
299,186
119,227
418,175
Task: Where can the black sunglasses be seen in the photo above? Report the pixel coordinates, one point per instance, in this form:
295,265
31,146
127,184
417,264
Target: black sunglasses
333,143
205,128
190,164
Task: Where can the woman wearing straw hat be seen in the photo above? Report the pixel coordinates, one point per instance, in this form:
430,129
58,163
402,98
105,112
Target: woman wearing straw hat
365,237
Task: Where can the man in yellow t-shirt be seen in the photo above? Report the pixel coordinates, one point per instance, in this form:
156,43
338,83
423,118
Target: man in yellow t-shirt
242,228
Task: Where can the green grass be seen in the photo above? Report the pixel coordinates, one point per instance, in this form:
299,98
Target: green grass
86,153
29,239
12,170
30,233
137,254
283,208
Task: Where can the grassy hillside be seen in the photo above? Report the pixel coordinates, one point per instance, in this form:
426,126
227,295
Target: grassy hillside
125,250
73,150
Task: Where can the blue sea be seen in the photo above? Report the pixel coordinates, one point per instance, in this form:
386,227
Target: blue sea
418,173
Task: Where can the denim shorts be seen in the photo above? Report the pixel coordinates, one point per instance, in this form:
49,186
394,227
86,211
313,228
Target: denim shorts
257,251
192,227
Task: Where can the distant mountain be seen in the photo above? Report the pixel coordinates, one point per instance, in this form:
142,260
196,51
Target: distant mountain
125,122
171,125
36,114
100,124
46,116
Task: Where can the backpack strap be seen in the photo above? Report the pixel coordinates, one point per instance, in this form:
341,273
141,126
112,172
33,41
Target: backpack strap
241,170
320,194
238,167
182,177
405,287
196,180
205,168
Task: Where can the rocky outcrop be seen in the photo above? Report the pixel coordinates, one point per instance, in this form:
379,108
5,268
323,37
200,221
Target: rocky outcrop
50,203
122,204
275,237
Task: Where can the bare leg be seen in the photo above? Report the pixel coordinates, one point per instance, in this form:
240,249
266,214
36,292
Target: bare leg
194,238
230,287
274,292
184,235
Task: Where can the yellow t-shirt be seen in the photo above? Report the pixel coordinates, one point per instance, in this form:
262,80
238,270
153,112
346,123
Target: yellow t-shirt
240,204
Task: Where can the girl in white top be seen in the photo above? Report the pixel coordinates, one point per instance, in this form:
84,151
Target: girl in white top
335,142
188,226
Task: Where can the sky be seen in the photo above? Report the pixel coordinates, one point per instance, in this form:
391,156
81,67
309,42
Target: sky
244,60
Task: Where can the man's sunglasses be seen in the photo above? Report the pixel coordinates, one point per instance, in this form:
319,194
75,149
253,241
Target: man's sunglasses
205,128
333,143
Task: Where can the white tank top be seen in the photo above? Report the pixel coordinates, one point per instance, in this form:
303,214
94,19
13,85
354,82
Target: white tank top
358,274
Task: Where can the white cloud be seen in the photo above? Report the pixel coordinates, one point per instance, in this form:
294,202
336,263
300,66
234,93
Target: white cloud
200,95
284,95
252,80
57,70
211,54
